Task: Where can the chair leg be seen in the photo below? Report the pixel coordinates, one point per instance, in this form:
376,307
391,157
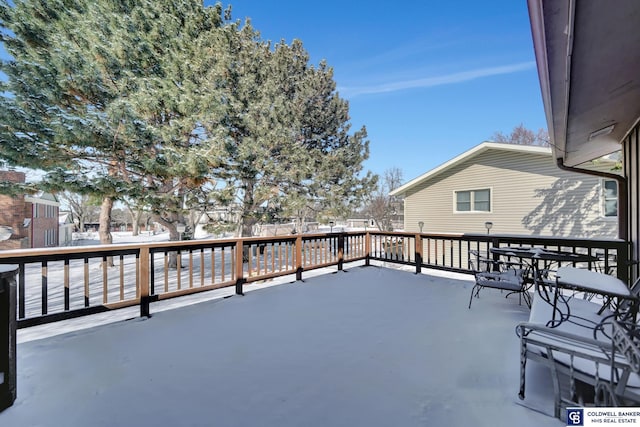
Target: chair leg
527,298
523,366
472,291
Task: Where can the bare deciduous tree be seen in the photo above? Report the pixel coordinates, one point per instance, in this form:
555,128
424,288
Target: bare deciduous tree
523,136
83,208
381,207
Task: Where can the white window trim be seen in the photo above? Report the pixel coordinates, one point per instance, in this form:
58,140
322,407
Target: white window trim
602,200
472,212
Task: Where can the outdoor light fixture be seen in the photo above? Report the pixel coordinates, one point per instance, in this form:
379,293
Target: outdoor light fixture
488,226
601,132
420,224
331,224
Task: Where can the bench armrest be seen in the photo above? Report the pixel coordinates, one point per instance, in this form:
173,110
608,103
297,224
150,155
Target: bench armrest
524,329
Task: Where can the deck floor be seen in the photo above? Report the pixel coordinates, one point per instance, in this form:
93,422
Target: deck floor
368,347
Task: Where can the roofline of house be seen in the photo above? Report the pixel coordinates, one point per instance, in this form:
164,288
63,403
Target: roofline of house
536,16
478,149
38,200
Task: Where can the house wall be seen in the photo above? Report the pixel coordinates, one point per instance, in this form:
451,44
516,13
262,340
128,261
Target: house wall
12,209
529,195
65,234
44,224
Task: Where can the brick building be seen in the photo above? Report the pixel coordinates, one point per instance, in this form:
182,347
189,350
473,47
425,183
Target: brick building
43,225
33,219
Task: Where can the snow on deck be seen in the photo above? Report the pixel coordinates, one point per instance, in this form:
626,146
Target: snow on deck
367,347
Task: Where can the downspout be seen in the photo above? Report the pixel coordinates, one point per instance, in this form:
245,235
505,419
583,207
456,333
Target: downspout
622,193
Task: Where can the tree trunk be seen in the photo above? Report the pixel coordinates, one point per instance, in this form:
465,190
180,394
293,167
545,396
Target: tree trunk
247,226
248,207
105,225
135,221
300,223
173,236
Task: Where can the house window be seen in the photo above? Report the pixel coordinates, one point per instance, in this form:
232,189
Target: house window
50,211
610,198
473,201
50,237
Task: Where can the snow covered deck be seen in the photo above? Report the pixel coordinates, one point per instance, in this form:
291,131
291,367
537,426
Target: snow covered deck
368,347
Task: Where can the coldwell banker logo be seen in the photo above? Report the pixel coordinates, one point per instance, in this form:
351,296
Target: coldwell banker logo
575,417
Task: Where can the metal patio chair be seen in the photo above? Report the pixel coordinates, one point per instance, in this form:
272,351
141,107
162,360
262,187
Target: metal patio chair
495,274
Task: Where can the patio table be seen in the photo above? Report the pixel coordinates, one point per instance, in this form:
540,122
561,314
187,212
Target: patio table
533,256
542,254
593,282
585,280
538,275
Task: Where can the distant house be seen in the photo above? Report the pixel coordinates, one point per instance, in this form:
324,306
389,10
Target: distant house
14,214
518,189
43,226
65,229
33,218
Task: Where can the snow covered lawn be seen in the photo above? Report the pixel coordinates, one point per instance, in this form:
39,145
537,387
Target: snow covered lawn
368,347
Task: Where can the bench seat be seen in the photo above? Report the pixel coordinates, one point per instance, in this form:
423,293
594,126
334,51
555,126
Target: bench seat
572,349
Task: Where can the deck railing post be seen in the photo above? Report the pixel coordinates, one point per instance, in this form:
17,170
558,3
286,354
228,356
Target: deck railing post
145,297
495,243
8,356
623,266
239,267
299,257
367,249
418,251
340,251
21,287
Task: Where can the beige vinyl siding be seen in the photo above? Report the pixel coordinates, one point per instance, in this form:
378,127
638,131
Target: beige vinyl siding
529,195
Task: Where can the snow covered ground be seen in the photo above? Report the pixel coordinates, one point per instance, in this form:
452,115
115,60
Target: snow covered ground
92,238
367,347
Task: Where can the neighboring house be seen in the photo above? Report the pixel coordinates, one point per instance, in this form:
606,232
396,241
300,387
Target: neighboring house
517,188
359,223
44,211
588,60
34,218
65,229
14,214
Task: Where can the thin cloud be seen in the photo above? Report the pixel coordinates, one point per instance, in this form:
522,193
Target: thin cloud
436,81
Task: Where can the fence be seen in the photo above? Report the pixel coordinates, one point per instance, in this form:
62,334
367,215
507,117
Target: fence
61,283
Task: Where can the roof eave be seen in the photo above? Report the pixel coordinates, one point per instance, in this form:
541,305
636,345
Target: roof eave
487,145
587,57
542,62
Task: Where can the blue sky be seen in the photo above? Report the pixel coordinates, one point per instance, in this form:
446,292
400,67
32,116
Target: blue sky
429,79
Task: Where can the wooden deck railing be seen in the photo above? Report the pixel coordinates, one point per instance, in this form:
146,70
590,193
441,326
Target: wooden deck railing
450,251
61,283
